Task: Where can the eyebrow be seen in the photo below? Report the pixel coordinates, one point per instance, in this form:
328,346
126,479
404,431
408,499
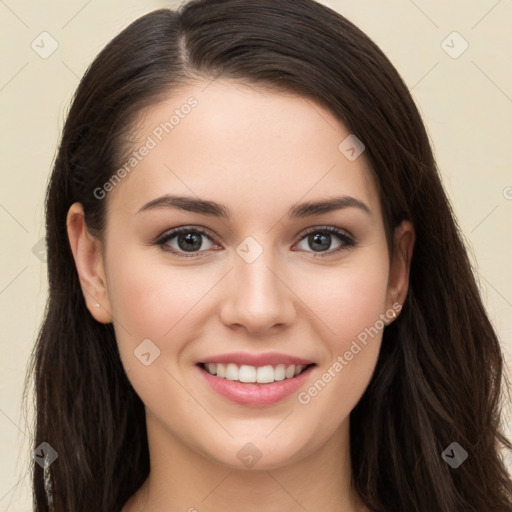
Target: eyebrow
307,209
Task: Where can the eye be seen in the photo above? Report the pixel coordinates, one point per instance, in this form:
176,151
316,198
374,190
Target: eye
320,239
184,240
189,241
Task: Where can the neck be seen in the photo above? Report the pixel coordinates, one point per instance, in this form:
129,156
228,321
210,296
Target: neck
182,479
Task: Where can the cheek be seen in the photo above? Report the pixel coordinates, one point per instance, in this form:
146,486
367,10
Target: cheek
348,299
151,302
150,298
349,305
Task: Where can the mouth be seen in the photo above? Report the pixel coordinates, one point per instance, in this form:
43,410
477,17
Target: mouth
267,374
255,386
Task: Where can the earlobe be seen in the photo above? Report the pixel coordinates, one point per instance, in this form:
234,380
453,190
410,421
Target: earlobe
398,283
87,253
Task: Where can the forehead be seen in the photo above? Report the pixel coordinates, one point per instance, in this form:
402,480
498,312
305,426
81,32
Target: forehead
235,143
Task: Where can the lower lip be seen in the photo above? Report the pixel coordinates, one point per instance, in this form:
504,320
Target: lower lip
252,393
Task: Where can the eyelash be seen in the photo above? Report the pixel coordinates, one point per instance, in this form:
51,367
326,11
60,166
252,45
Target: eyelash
347,241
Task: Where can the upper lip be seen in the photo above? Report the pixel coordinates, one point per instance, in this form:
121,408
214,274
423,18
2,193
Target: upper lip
246,358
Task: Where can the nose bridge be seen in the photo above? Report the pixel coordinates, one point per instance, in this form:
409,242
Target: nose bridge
258,297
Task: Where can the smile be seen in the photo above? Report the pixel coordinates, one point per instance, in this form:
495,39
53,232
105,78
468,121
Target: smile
252,374
254,386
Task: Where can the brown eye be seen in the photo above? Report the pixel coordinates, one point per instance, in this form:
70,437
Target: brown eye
320,240
184,240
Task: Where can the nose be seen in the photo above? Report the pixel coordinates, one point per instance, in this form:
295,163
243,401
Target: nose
258,295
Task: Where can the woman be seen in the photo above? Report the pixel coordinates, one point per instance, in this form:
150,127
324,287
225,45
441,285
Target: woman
259,297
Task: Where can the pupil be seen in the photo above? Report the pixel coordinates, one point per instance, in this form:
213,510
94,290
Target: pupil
190,241
318,238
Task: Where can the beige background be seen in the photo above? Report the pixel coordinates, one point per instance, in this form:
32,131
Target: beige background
466,103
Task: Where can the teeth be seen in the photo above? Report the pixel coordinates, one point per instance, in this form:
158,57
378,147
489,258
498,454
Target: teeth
280,372
232,371
221,370
247,373
261,374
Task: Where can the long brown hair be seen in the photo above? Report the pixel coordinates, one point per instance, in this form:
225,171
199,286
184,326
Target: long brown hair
439,378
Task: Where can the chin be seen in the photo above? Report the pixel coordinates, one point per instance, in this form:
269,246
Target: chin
261,454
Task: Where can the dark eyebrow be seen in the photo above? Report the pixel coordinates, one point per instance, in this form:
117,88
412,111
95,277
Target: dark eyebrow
307,209
318,207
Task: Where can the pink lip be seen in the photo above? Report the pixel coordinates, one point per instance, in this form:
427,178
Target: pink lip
254,394
270,358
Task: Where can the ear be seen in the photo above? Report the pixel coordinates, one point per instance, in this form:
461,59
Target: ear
398,282
87,253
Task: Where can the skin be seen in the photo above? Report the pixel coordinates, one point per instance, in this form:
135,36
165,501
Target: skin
258,153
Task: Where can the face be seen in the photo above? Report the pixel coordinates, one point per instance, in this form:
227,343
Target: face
252,284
